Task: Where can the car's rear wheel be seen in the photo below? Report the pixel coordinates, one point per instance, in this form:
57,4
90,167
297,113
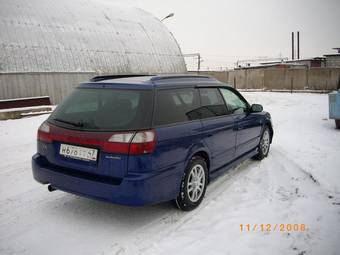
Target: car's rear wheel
264,145
193,185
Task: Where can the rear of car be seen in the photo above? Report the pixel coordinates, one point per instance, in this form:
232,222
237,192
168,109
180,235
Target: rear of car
98,143
133,142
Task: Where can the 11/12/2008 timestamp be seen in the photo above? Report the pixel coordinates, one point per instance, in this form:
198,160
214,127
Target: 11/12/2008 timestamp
273,227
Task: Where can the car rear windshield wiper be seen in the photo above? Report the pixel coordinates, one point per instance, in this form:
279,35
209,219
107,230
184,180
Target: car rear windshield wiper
76,124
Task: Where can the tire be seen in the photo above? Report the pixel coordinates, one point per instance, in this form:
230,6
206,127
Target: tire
193,185
264,145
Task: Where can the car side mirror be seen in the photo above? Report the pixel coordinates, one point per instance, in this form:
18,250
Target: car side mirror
256,108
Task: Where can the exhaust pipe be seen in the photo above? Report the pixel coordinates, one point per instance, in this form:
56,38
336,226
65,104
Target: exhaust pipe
51,188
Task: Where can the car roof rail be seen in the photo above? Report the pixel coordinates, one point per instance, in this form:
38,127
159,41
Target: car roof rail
115,76
182,76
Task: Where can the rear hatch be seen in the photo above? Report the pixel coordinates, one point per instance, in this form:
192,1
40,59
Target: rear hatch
93,129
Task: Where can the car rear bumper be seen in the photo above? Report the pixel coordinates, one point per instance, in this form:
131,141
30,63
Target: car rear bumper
133,190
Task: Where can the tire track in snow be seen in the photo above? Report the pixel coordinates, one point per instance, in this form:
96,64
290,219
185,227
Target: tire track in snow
174,220
281,181
220,186
300,186
285,160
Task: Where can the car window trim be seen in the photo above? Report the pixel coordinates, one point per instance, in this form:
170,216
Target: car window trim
176,123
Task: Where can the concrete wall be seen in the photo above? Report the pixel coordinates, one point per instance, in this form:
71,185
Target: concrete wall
58,85
276,78
285,79
55,85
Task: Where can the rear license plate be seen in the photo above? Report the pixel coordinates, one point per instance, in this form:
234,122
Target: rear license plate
78,152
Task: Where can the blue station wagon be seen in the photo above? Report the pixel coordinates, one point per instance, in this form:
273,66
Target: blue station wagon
138,140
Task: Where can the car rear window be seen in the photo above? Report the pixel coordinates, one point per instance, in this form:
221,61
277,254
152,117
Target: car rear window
105,110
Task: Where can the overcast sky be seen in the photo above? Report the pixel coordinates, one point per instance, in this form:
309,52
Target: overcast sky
224,31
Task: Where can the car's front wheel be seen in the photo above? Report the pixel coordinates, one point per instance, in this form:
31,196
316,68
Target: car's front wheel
264,145
193,185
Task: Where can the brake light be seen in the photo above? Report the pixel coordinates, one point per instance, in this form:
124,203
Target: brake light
143,142
44,133
135,143
118,143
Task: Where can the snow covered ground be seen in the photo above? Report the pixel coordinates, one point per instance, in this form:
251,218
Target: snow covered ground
297,183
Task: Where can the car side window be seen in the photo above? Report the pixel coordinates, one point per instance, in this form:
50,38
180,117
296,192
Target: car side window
176,105
212,103
234,103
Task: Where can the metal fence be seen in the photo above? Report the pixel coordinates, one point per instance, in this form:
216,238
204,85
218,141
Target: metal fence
55,85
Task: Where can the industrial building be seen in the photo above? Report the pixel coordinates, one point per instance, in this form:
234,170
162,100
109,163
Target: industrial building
47,47
297,63
333,60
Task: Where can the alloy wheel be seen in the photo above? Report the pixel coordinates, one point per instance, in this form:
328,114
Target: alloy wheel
265,142
196,183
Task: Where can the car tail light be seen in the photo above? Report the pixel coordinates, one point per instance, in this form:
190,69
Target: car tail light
143,142
140,142
118,143
44,133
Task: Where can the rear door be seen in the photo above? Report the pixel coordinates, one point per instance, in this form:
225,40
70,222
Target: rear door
177,126
248,125
219,131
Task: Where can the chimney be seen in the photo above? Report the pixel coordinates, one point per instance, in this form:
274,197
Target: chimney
298,45
292,45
